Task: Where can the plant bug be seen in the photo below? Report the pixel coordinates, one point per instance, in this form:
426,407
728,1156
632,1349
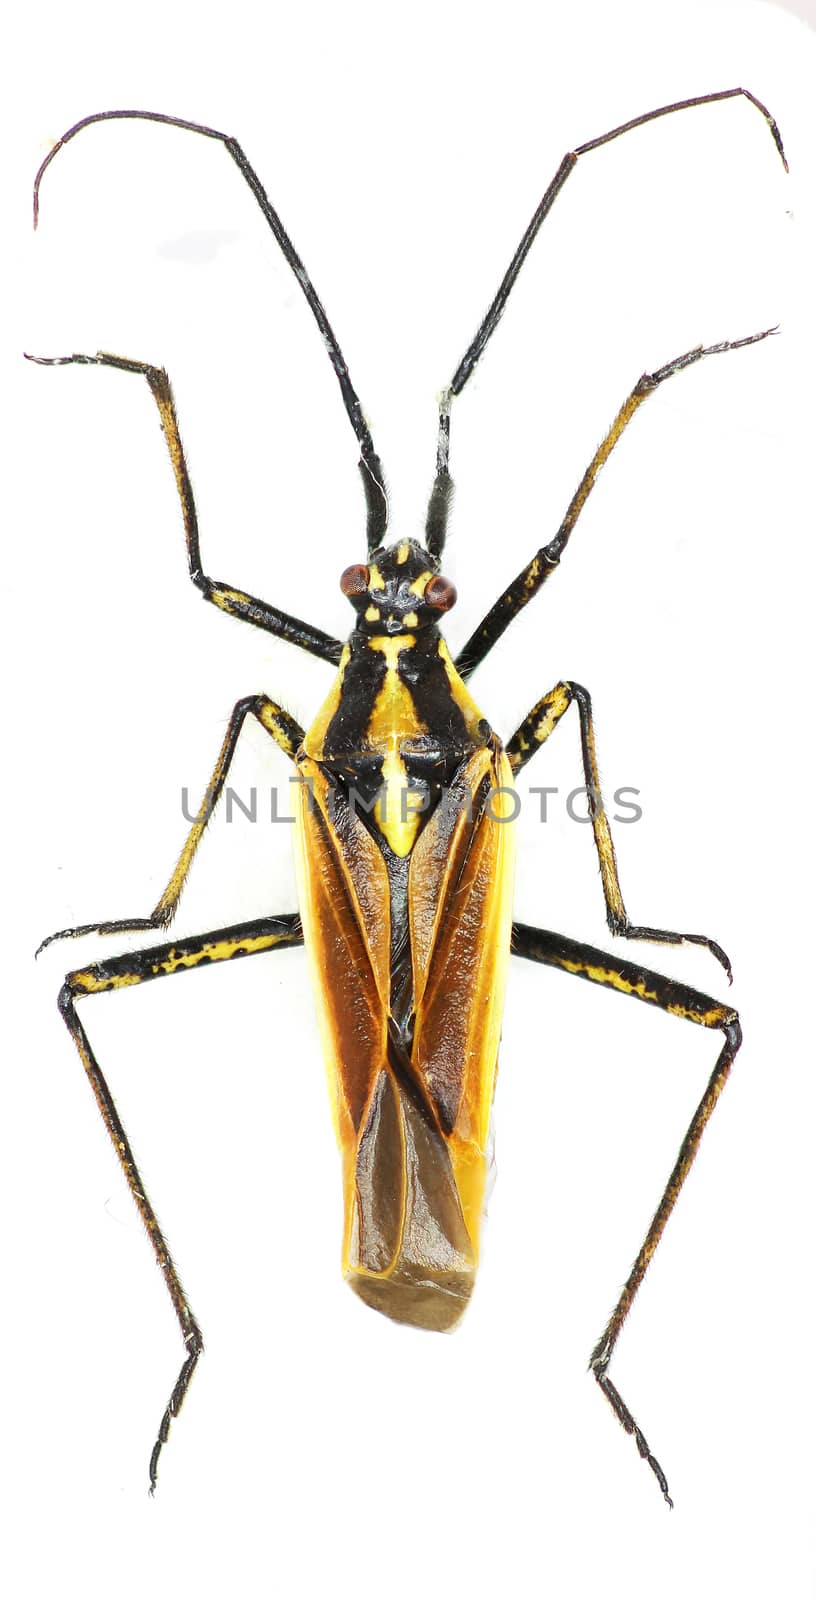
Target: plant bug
405,804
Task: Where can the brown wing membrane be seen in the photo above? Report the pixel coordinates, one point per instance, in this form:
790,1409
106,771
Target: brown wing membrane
460,901
409,1253
346,914
412,1128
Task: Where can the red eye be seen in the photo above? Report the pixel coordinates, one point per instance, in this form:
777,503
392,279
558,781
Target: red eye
354,581
440,594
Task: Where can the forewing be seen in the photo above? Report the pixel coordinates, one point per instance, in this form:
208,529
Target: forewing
460,902
345,908
412,1127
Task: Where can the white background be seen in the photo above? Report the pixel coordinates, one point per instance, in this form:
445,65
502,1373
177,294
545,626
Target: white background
322,1449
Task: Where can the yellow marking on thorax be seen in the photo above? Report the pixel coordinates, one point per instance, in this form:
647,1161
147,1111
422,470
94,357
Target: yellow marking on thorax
313,742
372,614
393,710
394,718
467,705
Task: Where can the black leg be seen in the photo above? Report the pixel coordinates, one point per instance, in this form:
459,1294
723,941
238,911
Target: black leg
225,944
370,466
237,604
520,592
287,734
437,514
527,739
555,950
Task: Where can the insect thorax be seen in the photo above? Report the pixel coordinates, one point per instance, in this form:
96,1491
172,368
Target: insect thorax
394,730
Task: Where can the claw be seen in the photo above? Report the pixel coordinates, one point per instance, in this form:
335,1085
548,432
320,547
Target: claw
62,933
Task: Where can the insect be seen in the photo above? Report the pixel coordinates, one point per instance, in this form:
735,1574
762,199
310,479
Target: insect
405,804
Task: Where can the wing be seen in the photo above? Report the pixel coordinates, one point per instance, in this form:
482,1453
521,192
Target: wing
411,1101
460,901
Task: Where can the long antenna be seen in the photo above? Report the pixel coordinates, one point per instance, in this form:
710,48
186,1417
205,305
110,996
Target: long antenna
370,465
436,524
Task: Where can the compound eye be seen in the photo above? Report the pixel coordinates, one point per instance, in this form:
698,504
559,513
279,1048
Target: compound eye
354,581
441,594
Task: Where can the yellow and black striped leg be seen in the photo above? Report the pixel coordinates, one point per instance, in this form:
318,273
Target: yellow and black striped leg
527,739
288,735
244,606
225,944
521,591
555,950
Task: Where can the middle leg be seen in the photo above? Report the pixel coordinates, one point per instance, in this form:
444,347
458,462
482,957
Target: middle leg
533,732
287,734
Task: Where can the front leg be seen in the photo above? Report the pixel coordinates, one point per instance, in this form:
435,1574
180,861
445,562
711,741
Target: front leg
246,607
527,739
520,592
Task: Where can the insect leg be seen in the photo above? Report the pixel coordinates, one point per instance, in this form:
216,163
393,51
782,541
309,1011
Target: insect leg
556,950
520,592
225,944
437,511
237,604
534,730
287,735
